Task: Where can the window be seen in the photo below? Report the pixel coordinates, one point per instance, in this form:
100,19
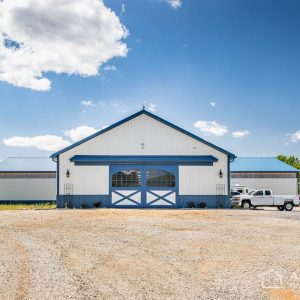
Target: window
258,193
160,178
268,193
127,178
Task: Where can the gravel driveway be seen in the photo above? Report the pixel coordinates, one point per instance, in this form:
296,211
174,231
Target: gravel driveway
149,254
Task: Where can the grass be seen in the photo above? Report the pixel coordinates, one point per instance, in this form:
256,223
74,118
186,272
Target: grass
27,206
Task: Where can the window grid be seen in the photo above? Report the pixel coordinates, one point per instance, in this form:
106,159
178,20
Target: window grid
160,178
127,178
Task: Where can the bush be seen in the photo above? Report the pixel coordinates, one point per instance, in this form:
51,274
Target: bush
84,205
97,204
202,205
192,204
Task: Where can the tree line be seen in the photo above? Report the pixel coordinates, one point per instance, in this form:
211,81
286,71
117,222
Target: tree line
292,161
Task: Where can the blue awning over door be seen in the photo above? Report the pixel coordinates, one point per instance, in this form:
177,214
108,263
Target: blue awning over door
205,160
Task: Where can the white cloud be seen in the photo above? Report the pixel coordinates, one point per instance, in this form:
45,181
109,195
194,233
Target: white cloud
88,103
211,128
212,103
151,107
109,68
295,137
43,142
72,37
175,3
240,133
123,8
79,133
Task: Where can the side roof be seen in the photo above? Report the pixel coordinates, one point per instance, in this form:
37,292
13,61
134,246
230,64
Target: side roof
260,164
27,164
155,117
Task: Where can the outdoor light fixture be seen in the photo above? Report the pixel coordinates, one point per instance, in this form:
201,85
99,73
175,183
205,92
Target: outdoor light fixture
142,145
221,174
68,173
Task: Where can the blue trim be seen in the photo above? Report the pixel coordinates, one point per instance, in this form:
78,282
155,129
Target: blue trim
75,201
149,115
57,176
206,160
265,172
212,201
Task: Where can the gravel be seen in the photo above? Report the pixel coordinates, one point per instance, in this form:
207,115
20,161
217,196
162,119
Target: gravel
149,254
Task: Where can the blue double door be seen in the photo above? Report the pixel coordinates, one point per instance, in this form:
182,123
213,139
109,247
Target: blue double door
144,186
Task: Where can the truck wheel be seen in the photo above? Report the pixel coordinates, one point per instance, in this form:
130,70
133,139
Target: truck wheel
288,206
246,205
281,208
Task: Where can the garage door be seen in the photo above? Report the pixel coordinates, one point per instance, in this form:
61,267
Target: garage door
143,186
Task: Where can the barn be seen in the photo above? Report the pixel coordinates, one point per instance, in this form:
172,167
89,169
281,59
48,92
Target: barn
27,180
265,173
143,161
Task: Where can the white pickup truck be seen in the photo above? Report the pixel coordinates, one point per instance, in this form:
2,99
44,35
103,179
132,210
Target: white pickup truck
265,198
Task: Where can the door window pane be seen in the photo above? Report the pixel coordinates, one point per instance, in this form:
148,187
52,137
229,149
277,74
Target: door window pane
127,178
160,178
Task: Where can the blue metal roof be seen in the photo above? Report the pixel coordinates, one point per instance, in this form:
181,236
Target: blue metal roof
27,164
143,159
141,112
260,164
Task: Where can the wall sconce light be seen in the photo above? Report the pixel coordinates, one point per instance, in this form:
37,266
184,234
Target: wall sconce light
221,174
142,145
68,173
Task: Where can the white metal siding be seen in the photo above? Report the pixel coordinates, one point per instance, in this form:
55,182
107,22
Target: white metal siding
280,186
27,189
200,180
158,138
89,180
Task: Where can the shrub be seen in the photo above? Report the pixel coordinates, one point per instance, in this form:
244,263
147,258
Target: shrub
97,204
84,205
235,205
202,205
192,204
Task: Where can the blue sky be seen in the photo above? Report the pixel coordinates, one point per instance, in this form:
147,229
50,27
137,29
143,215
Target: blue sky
226,70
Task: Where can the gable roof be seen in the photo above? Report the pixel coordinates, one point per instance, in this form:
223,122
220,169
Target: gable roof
27,164
260,164
139,113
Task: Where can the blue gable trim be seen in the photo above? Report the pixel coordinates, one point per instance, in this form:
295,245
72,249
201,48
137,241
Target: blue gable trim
147,159
141,112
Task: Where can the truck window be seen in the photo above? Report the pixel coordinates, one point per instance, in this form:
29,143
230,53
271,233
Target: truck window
268,193
258,193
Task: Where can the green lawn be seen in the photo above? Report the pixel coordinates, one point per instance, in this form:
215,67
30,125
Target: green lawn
27,206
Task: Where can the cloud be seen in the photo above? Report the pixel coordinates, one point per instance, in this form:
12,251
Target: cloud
295,137
71,37
240,133
79,133
211,128
109,68
151,107
88,103
43,142
123,8
175,3
212,103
